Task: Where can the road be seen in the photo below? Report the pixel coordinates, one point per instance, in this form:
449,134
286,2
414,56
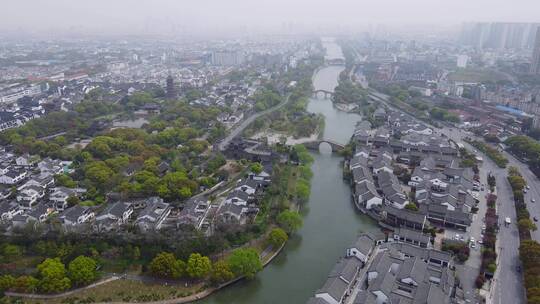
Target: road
240,128
532,193
508,282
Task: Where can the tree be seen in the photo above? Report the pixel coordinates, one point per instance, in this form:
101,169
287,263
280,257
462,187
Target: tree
526,224
290,221
256,168
198,266
26,284
136,255
7,281
302,190
277,237
245,262
82,270
12,251
72,201
221,272
52,274
411,207
165,265
65,181
529,252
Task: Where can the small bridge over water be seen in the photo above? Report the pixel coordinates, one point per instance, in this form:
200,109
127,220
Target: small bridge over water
335,61
314,145
324,93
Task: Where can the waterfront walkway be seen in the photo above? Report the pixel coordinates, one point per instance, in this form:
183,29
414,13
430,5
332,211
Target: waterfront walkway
266,256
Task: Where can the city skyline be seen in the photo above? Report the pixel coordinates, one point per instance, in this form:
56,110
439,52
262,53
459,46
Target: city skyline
216,17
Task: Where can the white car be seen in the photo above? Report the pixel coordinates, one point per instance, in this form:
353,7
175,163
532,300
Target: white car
528,187
533,200
472,240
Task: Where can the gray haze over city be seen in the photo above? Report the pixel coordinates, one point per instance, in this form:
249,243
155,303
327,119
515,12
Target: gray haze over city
270,151
248,16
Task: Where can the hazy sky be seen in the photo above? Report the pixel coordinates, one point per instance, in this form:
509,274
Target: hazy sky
208,15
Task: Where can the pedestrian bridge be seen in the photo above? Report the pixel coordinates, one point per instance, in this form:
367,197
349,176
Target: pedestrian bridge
335,61
315,145
322,93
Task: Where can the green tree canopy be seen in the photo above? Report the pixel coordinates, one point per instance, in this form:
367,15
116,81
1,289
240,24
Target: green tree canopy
221,272
165,265
277,237
526,224
411,207
290,221
82,270
7,281
52,276
245,261
26,284
256,168
198,266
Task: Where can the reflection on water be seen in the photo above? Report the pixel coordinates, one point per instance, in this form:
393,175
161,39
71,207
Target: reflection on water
325,148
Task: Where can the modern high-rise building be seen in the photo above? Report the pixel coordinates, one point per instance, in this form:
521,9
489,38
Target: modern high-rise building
499,35
227,58
461,61
535,62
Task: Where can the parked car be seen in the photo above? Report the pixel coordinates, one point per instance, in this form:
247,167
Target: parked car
533,200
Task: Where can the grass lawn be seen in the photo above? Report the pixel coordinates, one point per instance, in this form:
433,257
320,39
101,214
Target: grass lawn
476,75
125,290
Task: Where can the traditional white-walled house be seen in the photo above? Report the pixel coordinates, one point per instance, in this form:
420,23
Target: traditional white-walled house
366,195
13,177
194,212
237,197
26,160
8,210
362,248
153,215
60,195
113,216
340,281
248,186
77,215
28,197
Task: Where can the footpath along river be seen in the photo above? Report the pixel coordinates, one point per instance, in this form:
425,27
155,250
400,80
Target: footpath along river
331,222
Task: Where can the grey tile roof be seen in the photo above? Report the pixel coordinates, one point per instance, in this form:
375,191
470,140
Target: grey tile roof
335,287
72,214
346,268
360,174
238,194
116,209
314,300
414,235
364,243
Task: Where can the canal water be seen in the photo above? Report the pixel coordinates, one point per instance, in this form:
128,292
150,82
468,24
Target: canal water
331,222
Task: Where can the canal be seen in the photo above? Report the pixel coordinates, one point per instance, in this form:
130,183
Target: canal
331,222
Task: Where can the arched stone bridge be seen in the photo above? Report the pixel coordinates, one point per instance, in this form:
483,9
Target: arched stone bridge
326,93
314,145
335,61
